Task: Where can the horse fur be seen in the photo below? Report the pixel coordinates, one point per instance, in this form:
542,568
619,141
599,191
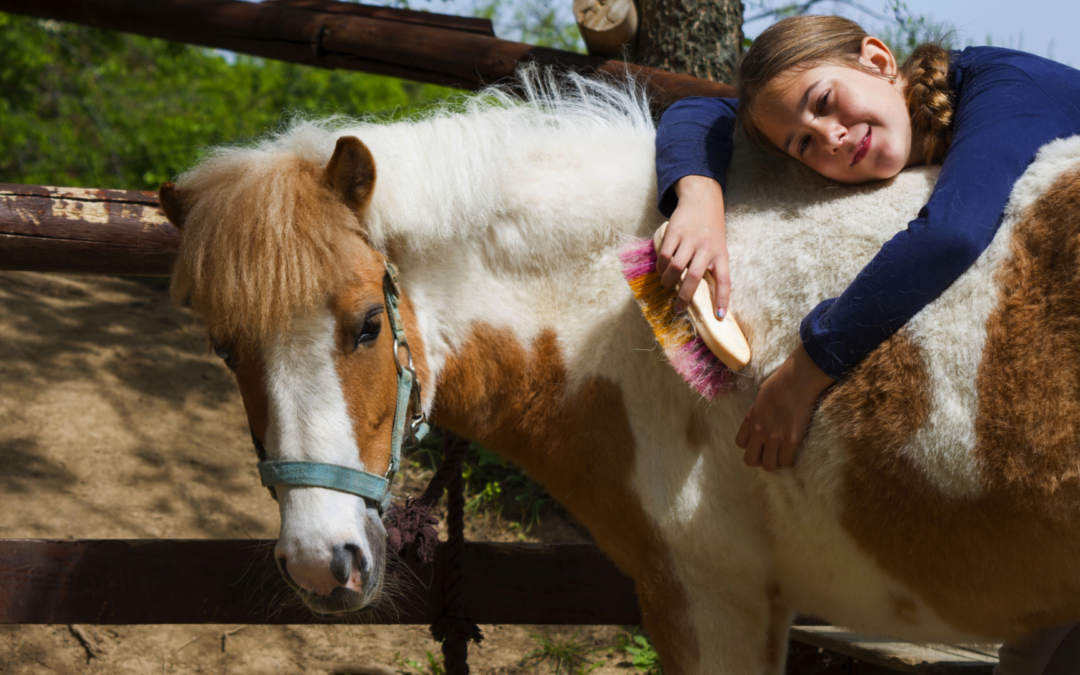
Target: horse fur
505,220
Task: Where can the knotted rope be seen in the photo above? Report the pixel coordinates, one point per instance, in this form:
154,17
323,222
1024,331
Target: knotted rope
410,530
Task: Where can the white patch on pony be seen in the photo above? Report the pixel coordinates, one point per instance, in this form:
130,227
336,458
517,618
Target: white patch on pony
689,497
309,421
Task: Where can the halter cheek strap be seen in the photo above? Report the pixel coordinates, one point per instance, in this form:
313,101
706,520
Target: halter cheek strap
370,486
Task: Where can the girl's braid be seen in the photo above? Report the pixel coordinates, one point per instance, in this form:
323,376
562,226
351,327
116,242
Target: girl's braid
930,99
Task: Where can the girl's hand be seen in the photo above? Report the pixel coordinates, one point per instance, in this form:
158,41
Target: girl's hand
695,242
776,423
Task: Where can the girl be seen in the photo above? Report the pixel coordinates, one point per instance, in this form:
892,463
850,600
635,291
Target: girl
820,90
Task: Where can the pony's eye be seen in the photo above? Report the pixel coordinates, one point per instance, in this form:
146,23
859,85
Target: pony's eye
225,356
369,328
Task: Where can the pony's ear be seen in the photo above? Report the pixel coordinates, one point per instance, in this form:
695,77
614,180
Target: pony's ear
172,203
351,172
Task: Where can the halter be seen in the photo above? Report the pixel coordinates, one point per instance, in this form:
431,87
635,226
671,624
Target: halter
370,486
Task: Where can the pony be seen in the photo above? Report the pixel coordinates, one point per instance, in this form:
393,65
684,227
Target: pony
935,497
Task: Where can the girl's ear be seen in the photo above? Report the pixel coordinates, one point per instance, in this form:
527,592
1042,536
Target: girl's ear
877,56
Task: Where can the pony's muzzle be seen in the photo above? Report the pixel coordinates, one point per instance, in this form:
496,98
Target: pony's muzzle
352,572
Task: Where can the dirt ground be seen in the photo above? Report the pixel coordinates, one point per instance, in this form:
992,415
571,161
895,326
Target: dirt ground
117,422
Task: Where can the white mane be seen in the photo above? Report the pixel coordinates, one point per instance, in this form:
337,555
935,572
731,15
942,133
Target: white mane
463,162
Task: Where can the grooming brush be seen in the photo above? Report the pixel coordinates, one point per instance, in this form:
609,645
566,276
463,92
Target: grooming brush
703,350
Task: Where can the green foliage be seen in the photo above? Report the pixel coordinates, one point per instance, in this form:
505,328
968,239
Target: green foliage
492,484
86,107
566,657
640,650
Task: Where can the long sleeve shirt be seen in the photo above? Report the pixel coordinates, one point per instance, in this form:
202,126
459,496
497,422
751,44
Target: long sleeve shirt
1008,105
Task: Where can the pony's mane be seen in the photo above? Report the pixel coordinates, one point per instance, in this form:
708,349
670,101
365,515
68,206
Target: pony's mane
264,238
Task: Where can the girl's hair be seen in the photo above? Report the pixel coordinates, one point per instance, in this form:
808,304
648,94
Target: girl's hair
803,42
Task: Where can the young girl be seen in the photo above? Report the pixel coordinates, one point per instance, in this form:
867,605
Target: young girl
820,90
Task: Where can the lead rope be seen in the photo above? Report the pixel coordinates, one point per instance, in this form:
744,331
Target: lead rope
410,530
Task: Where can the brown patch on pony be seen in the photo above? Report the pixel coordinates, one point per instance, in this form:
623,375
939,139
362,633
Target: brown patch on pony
367,372
1005,563
265,240
509,398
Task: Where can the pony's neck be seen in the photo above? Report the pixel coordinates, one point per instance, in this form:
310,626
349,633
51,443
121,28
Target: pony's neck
527,244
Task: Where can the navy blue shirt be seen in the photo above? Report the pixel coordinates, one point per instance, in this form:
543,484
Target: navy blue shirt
1008,105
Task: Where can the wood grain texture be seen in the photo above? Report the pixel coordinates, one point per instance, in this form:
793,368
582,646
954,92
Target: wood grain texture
237,581
318,33
50,229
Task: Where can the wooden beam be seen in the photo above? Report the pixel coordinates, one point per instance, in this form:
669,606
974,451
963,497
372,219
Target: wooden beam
236,581
50,229
320,33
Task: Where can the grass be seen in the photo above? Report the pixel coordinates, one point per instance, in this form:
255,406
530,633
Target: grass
566,657
432,667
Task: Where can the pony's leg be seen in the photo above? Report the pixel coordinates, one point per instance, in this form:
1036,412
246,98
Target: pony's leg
776,641
730,628
1051,651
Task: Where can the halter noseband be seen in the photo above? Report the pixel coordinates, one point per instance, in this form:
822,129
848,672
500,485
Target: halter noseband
370,486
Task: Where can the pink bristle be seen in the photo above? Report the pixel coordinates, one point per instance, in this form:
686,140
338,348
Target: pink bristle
687,353
638,259
701,369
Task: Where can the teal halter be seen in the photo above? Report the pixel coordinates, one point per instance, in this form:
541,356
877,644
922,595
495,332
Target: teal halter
371,487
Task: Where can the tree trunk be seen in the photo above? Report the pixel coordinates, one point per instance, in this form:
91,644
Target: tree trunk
702,38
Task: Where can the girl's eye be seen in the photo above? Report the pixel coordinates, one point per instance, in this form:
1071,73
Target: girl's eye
822,100
369,329
225,356
803,143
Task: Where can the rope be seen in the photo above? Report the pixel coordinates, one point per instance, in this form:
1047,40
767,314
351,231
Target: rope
410,530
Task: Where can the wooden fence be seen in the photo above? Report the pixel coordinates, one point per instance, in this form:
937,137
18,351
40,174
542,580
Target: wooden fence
418,46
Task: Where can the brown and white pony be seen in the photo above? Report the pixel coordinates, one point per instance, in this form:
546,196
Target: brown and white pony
936,498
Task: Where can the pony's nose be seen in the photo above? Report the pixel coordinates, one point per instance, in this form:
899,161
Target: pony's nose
342,562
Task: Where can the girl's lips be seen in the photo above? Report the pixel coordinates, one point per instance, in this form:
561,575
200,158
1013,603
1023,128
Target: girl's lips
864,147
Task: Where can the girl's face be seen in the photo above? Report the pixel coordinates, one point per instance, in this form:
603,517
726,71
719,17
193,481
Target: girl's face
845,123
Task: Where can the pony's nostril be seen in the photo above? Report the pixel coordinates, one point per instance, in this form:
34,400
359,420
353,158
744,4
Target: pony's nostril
341,563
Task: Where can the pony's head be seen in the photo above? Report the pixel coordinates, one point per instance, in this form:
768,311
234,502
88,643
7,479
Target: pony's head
274,256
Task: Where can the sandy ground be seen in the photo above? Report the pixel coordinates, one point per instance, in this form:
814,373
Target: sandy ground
117,422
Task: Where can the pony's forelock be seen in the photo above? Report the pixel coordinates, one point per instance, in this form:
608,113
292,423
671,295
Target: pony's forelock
264,240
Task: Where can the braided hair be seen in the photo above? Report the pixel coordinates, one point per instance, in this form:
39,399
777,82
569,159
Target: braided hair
930,99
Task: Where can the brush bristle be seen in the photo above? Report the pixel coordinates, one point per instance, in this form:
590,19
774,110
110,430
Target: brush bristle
687,353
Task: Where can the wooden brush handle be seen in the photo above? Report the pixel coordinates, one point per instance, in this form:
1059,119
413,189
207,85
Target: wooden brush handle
722,336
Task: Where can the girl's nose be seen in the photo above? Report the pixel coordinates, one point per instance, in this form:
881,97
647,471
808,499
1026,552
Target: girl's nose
835,136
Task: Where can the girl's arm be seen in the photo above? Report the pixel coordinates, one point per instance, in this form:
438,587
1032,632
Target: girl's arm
1002,120
693,151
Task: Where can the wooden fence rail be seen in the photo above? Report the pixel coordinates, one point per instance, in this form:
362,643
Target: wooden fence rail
114,581
49,229
413,45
